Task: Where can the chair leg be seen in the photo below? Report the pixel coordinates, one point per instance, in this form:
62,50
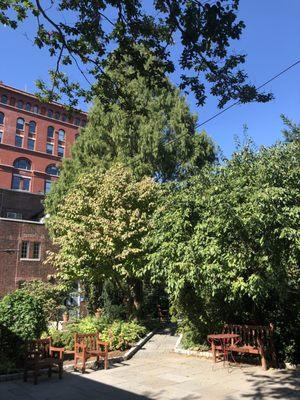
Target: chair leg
35,375
83,365
50,372
106,361
25,375
60,369
213,349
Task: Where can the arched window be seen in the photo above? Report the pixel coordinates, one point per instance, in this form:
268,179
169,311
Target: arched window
36,109
1,118
52,170
22,163
4,99
50,113
61,135
50,132
28,106
32,127
20,124
20,104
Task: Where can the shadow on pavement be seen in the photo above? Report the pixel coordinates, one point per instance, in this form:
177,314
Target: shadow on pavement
283,385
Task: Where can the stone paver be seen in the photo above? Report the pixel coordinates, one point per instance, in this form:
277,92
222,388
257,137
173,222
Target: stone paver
157,373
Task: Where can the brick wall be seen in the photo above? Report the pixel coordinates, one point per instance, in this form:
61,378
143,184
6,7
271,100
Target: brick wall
12,269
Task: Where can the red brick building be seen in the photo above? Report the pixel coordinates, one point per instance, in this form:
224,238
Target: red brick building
33,139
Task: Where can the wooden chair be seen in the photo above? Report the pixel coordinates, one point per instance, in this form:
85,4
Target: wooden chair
88,345
254,339
40,354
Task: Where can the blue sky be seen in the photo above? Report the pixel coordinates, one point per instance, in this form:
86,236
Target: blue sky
271,40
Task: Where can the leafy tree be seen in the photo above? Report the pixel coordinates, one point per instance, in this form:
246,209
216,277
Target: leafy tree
84,33
292,130
153,132
227,243
100,229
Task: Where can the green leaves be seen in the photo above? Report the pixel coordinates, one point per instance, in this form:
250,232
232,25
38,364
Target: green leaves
78,33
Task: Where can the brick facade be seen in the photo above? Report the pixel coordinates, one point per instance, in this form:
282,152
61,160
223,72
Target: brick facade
14,269
28,131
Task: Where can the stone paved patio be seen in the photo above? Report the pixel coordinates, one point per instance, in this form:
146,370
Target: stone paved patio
157,373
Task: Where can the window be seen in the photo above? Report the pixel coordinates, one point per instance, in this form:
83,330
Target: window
77,121
61,135
36,250
50,113
25,250
22,163
20,183
30,144
1,118
20,124
50,132
32,127
1,136
20,104
19,141
36,109
28,106
49,148
47,186
83,123
57,115
4,99
13,215
60,151
52,170
64,117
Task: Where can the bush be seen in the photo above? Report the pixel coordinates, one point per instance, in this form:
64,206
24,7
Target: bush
120,335
22,315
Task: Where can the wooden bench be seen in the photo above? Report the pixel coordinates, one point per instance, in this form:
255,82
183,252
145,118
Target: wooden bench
40,354
88,345
163,315
254,339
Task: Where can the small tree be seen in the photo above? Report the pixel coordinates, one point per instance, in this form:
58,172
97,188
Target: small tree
100,229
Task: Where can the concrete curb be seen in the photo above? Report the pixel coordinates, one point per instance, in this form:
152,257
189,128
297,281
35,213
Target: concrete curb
131,352
70,368
179,350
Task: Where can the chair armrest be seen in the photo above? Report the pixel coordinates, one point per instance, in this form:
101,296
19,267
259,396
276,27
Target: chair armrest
59,350
104,344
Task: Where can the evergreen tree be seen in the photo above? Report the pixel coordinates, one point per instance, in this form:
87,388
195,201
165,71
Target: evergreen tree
150,130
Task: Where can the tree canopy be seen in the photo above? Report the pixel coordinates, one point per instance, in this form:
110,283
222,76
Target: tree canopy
152,131
84,33
227,243
100,228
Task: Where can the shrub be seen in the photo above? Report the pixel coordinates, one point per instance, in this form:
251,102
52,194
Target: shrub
120,335
22,315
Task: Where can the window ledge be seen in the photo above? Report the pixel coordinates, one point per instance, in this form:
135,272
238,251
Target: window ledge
30,259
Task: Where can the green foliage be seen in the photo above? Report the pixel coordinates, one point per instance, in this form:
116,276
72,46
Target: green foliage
23,315
202,32
50,296
101,226
154,133
227,243
120,334
292,130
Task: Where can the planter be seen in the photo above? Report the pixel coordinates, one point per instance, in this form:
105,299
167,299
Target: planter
65,317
